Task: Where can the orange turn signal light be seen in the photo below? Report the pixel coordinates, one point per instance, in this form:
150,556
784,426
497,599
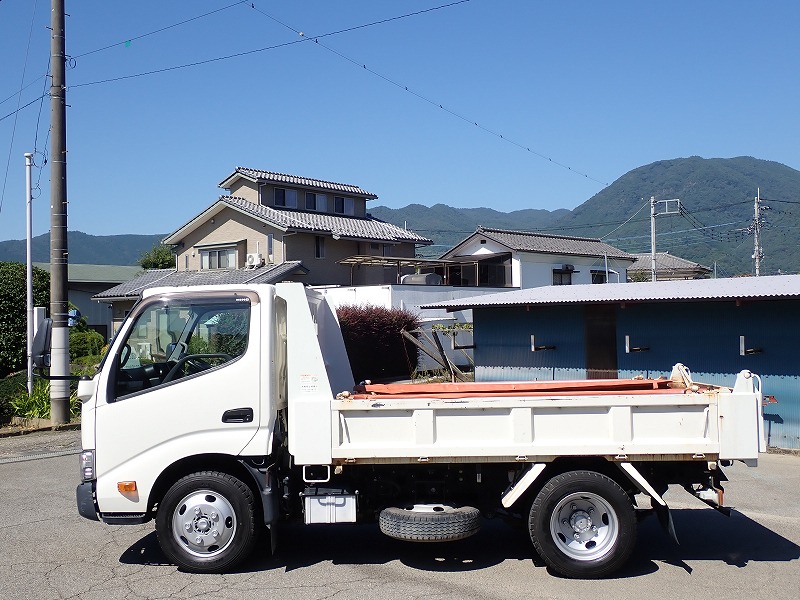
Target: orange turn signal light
126,486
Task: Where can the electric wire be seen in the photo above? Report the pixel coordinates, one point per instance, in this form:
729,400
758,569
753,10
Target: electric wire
422,97
16,112
626,222
315,39
144,35
254,51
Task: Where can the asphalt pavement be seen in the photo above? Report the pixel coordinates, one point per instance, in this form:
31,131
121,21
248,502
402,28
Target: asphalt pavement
52,553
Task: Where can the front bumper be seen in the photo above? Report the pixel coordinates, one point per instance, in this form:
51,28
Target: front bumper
84,494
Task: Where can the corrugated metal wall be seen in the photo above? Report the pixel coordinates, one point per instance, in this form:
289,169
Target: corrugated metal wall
705,336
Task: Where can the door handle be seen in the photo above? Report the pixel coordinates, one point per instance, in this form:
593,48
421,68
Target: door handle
238,415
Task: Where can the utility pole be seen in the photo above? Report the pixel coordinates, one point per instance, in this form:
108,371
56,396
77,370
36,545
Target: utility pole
29,268
59,350
652,238
758,252
653,214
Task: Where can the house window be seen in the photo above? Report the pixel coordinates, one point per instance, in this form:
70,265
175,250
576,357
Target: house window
319,247
287,198
315,201
270,247
344,206
222,258
562,277
598,276
387,249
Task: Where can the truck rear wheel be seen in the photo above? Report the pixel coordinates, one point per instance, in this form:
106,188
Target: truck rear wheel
583,524
430,522
206,522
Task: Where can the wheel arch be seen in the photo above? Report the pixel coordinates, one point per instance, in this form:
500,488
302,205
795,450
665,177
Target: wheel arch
223,463
572,463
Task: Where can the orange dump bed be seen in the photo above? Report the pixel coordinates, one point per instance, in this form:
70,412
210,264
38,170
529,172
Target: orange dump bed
591,387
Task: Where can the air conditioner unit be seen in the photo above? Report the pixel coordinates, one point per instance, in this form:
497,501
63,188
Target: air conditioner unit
255,259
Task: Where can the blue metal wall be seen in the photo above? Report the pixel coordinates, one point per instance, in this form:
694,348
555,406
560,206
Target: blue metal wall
702,335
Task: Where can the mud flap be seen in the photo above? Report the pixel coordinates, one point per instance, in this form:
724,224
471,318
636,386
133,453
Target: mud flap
656,501
665,518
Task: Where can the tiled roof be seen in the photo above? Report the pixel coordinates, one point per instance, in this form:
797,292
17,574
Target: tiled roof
336,225
665,262
80,273
528,241
331,186
770,287
169,277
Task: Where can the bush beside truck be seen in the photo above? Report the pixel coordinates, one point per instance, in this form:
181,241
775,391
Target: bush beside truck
374,342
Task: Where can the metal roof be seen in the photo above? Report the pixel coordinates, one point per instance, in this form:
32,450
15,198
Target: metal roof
531,241
306,182
772,287
131,290
338,226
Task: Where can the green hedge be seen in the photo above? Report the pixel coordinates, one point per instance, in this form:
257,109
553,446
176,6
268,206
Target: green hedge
13,314
85,343
9,387
375,346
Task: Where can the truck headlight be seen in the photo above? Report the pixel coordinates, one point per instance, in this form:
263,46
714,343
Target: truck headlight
87,465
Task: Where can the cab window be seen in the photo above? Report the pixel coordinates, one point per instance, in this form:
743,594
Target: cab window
177,338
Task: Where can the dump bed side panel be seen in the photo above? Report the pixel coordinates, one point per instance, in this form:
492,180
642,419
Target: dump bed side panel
638,426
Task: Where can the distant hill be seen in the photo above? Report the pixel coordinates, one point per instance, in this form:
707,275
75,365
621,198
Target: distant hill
717,198
717,209
84,248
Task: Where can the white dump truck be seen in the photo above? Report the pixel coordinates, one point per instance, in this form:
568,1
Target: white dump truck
222,411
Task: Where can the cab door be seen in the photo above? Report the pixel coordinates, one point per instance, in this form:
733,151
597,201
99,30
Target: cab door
184,380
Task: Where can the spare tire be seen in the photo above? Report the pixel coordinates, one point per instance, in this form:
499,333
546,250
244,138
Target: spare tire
430,522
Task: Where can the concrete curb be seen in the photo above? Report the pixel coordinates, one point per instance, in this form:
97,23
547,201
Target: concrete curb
14,430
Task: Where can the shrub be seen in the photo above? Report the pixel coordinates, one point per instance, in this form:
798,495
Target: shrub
375,346
13,315
85,343
9,387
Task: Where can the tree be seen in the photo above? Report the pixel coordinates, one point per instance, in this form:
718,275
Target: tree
158,257
13,312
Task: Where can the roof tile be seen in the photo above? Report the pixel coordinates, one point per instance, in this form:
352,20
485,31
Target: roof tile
529,241
344,226
169,277
320,184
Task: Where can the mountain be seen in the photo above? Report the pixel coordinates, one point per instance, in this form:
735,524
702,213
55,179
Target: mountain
447,226
84,248
714,222
712,227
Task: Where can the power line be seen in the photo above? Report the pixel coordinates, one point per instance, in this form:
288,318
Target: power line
257,50
129,40
628,221
16,112
316,39
421,96
144,35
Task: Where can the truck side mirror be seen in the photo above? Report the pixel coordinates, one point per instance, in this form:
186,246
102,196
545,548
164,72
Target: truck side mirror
40,349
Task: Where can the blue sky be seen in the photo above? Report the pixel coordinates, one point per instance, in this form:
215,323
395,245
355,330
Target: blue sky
581,92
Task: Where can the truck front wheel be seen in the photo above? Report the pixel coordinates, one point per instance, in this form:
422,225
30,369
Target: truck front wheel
206,522
583,524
